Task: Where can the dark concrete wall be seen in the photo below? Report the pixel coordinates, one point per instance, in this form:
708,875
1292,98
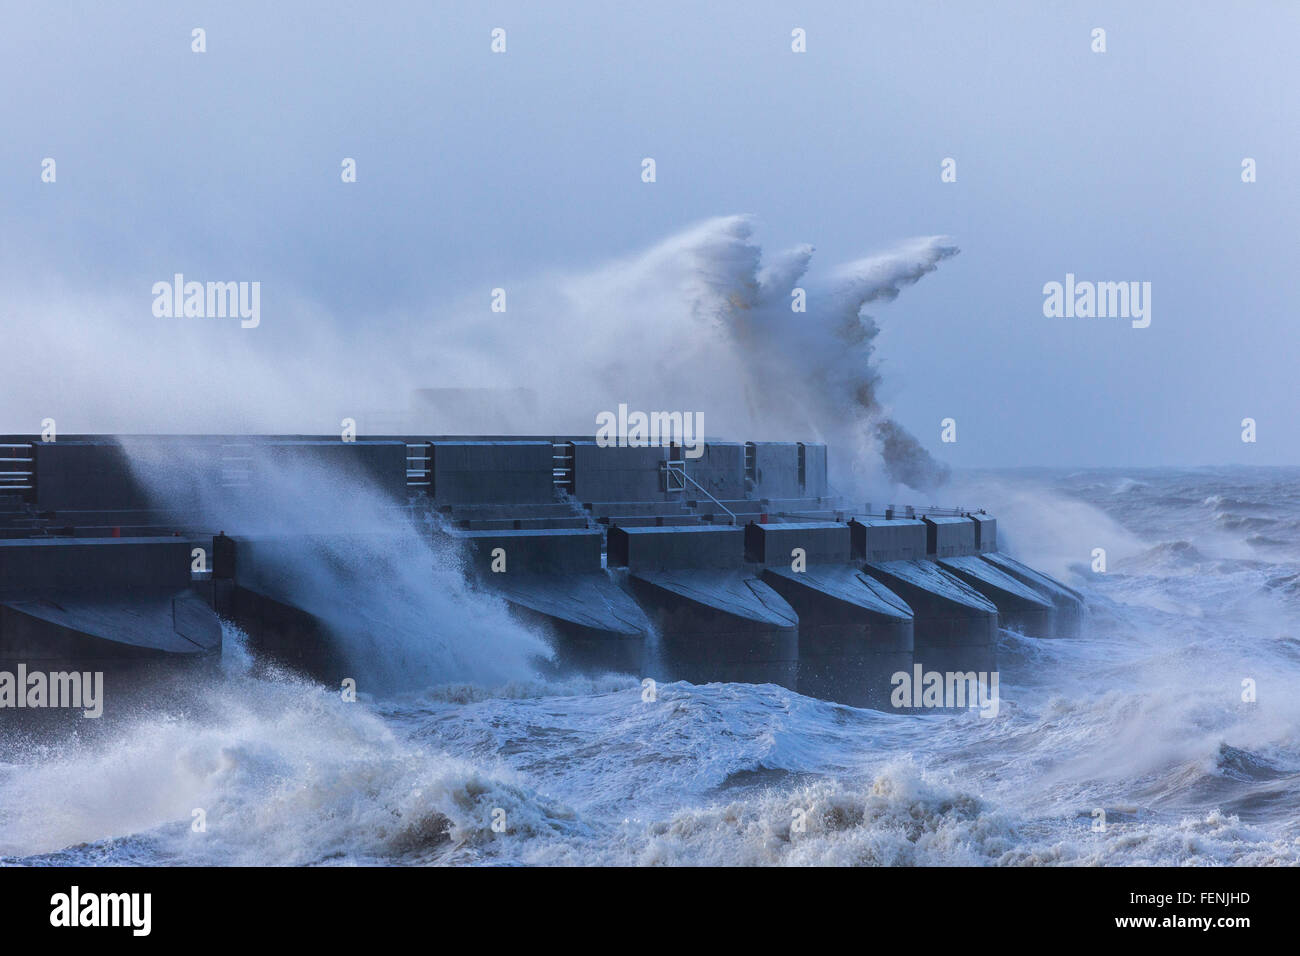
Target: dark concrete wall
776,466
94,474
85,476
534,552
1068,604
702,641
83,563
720,470
670,549
587,650
634,474
97,475
944,617
1029,613
821,541
618,473
846,652
816,484
490,472
880,539
288,634
986,533
949,537
382,464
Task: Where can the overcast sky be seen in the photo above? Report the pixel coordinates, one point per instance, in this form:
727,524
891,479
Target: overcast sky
476,170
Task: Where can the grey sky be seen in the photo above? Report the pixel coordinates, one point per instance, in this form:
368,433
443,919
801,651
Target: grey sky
478,170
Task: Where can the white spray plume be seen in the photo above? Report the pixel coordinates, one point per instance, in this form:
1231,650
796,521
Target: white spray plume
322,537
701,322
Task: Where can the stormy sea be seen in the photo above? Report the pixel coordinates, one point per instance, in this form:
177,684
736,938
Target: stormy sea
1174,720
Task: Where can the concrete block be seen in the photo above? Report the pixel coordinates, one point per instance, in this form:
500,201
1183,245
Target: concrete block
816,484
1020,607
670,549
94,563
720,470
86,476
552,551
718,625
486,472
618,473
954,626
776,470
822,542
854,633
949,537
881,539
986,533
380,464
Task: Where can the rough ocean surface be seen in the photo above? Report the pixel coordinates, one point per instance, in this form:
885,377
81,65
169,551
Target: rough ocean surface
1142,716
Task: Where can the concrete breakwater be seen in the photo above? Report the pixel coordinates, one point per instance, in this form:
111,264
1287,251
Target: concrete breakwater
736,565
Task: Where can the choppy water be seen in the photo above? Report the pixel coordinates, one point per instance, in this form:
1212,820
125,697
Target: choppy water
1143,716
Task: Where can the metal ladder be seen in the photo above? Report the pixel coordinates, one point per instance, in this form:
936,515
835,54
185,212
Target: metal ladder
18,471
562,466
236,466
419,464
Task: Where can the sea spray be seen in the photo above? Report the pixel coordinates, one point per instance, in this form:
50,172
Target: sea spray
392,595
702,321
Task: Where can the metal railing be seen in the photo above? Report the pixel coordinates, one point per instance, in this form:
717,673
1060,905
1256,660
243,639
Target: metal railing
917,511
674,475
907,511
709,494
